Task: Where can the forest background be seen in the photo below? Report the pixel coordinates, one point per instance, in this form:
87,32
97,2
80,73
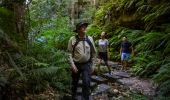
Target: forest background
34,36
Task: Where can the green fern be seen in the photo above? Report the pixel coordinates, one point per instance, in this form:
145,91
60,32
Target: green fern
165,88
130,5
3,81
143,9
163,73
151,68
163,91
26,61
156,13
151,43
167,45
151,40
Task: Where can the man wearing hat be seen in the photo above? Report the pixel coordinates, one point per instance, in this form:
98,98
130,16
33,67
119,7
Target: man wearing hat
82,54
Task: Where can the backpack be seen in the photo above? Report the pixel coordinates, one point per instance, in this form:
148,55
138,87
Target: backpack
87,40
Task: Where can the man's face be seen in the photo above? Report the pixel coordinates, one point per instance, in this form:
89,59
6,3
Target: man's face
124,38
102,34
82,29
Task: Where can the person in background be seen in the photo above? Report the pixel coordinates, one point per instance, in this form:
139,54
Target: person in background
125,51
103,51
82,54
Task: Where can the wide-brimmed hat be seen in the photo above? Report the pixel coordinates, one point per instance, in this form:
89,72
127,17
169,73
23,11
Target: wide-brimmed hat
80,25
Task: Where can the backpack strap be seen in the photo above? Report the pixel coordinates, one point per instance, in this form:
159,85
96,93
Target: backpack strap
74,46
91,47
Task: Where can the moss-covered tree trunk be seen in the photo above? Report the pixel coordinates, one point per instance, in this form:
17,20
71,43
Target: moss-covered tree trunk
12,21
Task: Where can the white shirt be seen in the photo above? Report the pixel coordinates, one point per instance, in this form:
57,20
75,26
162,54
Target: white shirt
103,45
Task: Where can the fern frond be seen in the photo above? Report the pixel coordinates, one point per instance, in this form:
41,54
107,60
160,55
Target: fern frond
163,74
165,89
143,9
3,81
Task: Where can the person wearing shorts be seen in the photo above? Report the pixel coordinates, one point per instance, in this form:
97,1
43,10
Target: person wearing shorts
125,52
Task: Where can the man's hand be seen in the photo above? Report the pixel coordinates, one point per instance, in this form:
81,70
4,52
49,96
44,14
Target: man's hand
74,69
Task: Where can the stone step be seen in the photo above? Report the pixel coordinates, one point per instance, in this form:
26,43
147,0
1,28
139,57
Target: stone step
79,91
111,78
100,89
119,67
113,64
92,84
121,74
79,97
98,79
110,63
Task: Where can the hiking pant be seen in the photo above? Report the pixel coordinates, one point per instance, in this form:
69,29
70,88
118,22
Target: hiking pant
85,70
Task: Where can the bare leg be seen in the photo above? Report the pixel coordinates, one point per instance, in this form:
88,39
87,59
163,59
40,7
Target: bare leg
109,69
127,64
123,64
108,66
125,67
98,66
